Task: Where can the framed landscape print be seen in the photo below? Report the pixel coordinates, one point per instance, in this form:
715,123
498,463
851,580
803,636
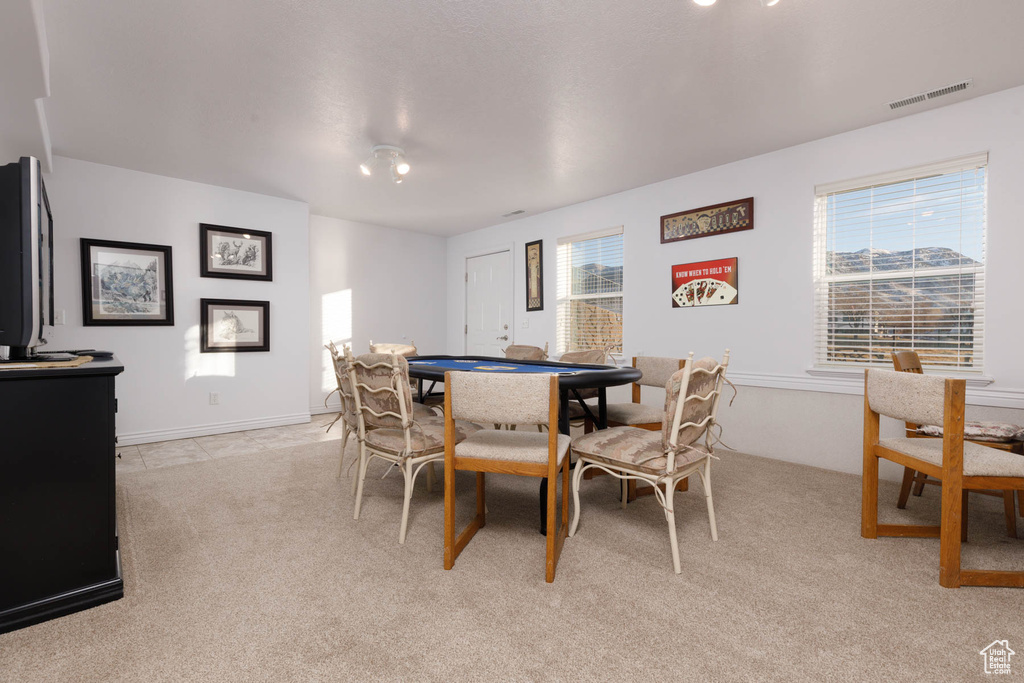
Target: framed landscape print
716,219
707,283
126,283
535,276
233,325
235,253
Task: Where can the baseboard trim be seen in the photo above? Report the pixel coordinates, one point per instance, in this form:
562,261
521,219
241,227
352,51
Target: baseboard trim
132,438
321,408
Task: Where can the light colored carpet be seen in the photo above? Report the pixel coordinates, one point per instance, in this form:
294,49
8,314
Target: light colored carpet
251,568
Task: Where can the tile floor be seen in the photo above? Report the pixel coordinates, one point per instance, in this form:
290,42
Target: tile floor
180,451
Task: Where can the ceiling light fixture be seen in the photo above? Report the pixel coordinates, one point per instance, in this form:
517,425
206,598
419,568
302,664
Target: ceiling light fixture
705,3
769,3
387,156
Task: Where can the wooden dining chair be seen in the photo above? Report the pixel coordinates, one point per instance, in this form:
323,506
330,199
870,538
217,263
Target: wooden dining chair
387,428
528,399
665,458
1003,436
526,352
959,465
656,372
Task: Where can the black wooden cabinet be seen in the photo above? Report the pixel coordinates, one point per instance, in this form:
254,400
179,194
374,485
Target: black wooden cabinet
58,514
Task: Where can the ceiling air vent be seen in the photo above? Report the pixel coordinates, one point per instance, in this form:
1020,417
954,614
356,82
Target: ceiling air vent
931,94
513,213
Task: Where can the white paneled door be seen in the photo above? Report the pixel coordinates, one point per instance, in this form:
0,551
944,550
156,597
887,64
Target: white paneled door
489,304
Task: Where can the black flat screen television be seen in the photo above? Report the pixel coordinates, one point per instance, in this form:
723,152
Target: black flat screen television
26,258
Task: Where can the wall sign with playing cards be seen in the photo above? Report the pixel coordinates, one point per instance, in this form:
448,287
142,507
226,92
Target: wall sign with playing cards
707,283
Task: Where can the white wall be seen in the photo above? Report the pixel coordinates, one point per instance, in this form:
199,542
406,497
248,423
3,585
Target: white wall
770,330
369,282
164,391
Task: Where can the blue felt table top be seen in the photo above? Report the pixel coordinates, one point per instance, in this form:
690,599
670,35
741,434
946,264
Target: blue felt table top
495,366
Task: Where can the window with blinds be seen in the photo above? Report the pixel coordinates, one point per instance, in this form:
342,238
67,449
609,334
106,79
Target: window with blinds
590,292
900,265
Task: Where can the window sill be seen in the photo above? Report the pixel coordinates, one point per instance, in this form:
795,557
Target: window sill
974,381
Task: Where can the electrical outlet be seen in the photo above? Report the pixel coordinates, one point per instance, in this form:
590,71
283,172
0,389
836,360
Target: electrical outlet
214,398
526,323
60,317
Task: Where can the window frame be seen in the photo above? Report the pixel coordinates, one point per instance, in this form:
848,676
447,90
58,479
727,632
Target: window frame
822,280
567,241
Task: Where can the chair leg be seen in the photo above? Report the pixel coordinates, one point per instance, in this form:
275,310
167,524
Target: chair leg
919,481
670,517
359,479
1011,514
577,474
965,499
449,516
949,536
869,497
431,477
625,493
407,475
908,482
341,456
705,480
1020,503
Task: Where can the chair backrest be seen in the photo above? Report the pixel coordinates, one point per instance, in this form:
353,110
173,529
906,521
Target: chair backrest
341,374
692,395
656,371
526,352
907,361
594,356
499,398
407,350
381,389
907,396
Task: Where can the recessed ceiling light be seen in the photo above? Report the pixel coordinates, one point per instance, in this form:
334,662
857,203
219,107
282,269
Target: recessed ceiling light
705,3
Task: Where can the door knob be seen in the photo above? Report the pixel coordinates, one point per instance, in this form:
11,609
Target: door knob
505,338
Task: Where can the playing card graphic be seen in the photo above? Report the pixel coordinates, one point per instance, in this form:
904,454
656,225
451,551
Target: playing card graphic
707,283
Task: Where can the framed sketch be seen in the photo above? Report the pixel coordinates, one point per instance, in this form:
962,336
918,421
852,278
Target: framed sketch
716,219
126,283
233,325
235,253
535,276
706,283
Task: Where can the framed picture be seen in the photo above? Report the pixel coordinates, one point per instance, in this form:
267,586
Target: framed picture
535,276
706,283
716,219
126,283
233,325
235,253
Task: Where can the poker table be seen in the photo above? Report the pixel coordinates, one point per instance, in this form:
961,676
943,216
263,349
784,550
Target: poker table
572,378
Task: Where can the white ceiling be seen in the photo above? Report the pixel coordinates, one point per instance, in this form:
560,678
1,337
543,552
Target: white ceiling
500,105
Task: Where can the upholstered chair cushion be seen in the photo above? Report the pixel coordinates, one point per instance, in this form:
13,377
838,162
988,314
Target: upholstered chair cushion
634,413
496,398
426,436
375,385
993,432
979,461
525,352
656,371
517,446
592,356
424,412
702,383
406,350
907,396
638,449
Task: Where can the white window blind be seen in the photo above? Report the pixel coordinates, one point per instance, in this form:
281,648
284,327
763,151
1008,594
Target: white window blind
899,264
590,291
